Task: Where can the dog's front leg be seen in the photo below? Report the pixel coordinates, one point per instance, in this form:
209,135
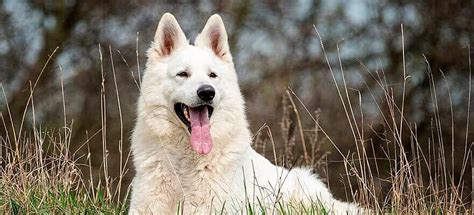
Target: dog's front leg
153,195
197,207
202,200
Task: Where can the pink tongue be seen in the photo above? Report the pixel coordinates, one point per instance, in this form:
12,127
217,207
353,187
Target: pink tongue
201,140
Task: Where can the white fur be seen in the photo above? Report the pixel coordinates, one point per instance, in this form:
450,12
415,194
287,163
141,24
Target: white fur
169,174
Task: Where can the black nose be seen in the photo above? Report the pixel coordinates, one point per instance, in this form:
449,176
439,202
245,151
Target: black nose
206,93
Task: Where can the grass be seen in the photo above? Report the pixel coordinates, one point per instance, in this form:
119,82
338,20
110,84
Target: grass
40,174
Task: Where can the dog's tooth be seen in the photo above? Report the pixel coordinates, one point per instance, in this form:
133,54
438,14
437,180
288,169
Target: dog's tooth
186,113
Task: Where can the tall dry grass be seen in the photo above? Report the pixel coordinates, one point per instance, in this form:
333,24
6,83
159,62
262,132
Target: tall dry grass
39,173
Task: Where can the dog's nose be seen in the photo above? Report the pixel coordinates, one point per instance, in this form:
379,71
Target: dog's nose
206,93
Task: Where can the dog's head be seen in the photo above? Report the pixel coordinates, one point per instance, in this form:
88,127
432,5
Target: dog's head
195,84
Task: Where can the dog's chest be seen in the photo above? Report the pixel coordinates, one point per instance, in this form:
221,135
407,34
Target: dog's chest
205,177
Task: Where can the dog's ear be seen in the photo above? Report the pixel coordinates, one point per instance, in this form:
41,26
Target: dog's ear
168,36
214,36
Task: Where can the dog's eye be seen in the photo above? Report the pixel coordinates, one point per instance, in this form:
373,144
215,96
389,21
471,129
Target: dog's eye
212,75
182,74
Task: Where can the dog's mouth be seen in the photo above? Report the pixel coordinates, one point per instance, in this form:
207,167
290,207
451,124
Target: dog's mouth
197,119
184,112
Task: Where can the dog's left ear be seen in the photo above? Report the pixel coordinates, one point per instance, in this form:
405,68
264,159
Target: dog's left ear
214,36
169,36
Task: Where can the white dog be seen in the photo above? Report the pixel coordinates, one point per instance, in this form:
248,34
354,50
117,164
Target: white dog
191,144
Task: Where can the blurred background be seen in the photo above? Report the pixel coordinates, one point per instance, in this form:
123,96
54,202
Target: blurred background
275,47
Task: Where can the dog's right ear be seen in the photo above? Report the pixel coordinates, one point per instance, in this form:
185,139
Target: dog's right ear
214,36
168,36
